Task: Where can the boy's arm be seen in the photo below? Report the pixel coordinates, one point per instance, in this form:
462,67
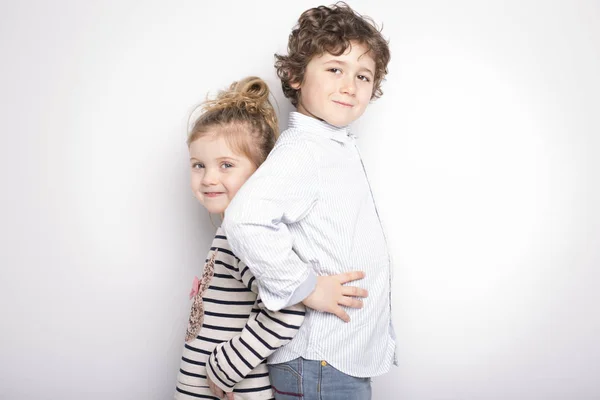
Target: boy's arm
281,192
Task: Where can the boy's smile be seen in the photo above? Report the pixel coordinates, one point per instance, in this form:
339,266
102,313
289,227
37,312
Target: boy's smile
341,103
337,89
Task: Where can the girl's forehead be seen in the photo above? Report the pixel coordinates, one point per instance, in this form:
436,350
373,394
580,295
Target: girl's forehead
212,146
209,144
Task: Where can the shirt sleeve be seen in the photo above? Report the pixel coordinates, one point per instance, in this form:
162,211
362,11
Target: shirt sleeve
281,192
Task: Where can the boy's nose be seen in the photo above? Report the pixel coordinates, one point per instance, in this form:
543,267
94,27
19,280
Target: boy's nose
348,86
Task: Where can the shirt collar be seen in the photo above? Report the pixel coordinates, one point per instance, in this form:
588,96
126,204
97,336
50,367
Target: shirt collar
321,128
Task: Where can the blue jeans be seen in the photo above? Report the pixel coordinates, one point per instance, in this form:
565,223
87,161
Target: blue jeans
302,379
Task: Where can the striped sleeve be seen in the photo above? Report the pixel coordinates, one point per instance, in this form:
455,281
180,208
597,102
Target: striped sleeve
243,273
266,331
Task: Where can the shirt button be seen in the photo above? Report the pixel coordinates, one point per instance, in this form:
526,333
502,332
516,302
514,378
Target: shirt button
323,363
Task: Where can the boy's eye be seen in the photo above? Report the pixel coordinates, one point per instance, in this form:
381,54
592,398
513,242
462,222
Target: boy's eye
364,78
197,165
226,165
335,70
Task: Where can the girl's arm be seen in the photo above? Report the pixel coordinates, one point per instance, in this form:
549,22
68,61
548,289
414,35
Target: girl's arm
233,360
266,331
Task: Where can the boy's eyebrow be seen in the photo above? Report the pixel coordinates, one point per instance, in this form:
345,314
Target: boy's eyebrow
344,63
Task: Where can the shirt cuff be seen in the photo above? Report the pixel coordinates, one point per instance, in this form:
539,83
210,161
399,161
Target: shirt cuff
304,290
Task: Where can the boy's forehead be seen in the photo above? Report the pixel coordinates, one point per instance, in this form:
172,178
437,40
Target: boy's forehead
354,52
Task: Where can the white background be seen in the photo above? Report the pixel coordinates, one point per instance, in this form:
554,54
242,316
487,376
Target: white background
482,153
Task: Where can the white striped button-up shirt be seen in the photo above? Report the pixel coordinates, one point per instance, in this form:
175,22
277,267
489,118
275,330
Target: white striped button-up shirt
307,211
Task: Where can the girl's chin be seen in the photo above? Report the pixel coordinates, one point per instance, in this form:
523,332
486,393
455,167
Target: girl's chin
216,210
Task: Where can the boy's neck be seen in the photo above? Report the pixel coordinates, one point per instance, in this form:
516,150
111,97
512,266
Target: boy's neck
319,127
308,114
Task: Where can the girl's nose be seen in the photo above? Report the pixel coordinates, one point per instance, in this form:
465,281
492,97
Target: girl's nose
210,177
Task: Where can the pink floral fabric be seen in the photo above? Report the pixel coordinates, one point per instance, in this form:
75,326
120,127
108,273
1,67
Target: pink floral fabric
197,313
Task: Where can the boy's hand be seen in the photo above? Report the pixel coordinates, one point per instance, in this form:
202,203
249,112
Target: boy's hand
329,294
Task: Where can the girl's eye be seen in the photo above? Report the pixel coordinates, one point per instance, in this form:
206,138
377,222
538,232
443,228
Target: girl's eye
364,78
335,70
226,165
197,165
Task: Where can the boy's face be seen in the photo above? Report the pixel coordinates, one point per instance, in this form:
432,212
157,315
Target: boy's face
337,89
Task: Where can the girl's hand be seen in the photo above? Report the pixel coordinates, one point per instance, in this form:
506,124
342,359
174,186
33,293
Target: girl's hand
217,391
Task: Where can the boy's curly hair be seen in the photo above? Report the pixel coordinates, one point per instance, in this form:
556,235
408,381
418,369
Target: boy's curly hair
330,29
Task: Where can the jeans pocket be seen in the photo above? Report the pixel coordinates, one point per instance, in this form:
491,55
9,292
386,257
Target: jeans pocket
286,379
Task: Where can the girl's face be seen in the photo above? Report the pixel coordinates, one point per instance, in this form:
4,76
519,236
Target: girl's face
217,173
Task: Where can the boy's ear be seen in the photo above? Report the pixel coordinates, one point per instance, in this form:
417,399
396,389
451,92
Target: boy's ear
295,85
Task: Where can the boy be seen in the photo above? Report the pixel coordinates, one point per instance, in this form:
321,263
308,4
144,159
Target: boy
308,212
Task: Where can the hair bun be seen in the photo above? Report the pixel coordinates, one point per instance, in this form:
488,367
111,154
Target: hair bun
252,87
250,94
244,104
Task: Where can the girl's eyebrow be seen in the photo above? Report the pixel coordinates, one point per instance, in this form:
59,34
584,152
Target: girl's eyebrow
218,159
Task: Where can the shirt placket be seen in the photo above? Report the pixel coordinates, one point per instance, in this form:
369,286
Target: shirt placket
386,244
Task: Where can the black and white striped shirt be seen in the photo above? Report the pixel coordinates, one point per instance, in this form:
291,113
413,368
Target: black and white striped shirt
237,335
307,211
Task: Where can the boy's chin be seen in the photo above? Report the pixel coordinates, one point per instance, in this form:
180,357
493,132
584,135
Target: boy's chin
339,122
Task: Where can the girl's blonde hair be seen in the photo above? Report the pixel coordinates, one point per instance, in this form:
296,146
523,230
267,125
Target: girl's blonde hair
244,116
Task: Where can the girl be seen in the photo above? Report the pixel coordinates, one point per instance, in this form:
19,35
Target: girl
230,333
